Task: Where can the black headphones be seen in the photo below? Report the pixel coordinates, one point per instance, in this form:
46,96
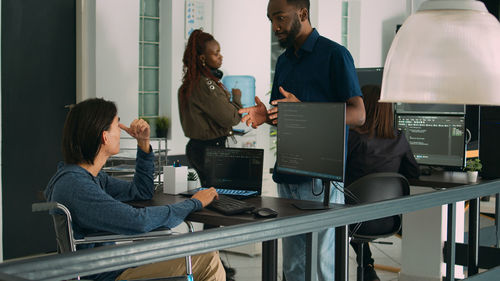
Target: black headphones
217,73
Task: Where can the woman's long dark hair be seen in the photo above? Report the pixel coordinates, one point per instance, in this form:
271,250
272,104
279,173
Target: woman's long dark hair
379,116
193,67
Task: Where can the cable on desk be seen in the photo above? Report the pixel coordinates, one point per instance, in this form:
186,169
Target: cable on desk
312,188
351,195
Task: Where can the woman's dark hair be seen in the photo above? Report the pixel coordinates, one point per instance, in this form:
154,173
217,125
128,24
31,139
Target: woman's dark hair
379,116
193,67
82,133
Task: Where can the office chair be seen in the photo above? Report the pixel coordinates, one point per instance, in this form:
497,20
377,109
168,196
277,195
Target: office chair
66,241
372,188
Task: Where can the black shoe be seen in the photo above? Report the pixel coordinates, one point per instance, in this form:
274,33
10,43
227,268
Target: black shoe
230,272
370,274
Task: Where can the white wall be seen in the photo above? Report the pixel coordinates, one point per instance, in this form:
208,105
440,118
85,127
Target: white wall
117,55
372,26
244,33
172,44
329,19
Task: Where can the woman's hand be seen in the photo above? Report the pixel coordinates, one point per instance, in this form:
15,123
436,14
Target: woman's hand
236,91
140,130
206,196
257,115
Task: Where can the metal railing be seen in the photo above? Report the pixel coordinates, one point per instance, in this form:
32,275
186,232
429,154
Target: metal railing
85,262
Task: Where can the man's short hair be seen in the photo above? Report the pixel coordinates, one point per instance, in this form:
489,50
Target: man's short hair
299,3
83,128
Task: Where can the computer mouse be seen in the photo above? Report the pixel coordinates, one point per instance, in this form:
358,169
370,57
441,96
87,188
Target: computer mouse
264,213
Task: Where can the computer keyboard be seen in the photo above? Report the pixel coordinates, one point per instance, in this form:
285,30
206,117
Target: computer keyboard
230,206
235,193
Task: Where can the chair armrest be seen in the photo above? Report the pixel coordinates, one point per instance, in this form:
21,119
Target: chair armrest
102,237
43,206
176,278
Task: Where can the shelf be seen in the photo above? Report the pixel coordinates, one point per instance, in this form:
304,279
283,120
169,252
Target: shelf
122,165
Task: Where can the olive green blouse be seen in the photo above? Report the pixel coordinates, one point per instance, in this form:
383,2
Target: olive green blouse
209,113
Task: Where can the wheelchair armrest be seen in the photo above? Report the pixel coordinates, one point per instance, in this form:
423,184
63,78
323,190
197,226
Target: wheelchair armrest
102,237
43,206
176,278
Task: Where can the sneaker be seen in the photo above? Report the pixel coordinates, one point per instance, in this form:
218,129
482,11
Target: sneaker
370,274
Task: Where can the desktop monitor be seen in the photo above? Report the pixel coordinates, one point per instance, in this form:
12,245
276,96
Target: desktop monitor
234,168
370,76
311,141
421,108
435,140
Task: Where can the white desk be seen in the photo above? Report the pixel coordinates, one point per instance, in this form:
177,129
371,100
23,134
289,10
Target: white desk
424,232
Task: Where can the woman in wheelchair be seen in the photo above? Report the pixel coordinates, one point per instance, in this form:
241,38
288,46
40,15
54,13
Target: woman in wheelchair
377,147
91,135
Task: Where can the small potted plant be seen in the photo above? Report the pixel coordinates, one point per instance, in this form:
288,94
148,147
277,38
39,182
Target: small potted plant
473,166
192,178
162,125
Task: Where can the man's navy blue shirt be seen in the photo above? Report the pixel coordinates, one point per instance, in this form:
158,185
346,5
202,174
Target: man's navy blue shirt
321,71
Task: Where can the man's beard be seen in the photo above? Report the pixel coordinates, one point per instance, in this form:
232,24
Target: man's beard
292,34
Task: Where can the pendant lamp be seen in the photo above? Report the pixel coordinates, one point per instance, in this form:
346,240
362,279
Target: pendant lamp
447,52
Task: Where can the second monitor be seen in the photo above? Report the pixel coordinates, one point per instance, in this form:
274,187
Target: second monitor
435,140
311,142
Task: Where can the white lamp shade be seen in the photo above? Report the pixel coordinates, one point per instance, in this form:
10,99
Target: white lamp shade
444,56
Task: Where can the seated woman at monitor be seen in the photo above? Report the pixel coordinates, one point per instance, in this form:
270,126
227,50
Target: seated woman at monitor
377,147
91,135
206,112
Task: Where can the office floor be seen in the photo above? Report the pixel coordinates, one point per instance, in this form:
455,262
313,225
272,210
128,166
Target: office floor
248,268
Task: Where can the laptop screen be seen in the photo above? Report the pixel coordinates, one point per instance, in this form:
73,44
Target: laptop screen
234,168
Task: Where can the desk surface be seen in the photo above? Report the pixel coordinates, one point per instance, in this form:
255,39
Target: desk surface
283,206
444,180
441,180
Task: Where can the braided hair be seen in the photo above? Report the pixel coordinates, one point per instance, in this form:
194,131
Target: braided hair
193,67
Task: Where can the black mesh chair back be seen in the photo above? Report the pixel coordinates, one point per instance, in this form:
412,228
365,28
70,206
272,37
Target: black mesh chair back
368,189
372,188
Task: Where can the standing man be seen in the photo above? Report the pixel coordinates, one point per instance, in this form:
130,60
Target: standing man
312,69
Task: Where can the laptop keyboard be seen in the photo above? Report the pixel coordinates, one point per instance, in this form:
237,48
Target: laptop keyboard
230,206
233,192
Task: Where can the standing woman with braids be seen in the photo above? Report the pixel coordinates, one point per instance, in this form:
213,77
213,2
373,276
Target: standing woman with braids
206,112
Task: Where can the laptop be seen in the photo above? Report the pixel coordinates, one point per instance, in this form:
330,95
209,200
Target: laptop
235,172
